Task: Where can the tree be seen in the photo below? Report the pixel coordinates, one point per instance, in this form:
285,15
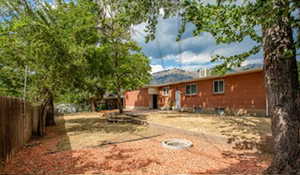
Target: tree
233,21
91,84
11,81
84,35
51,41
129,70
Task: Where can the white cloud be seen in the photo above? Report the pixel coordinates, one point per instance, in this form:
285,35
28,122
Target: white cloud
189,57
156,68
252,61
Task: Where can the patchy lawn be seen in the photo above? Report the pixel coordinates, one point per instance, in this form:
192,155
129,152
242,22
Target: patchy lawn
245,132
75,146
88,130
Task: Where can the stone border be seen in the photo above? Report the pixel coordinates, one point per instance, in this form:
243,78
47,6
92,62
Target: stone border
114,118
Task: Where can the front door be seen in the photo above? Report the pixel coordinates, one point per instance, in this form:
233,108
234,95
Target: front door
154,101
178,98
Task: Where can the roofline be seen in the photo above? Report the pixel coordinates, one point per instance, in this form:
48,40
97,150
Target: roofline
206,78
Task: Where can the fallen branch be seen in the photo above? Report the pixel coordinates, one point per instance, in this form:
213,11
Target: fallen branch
125,141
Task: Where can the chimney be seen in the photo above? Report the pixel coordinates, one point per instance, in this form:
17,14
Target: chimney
203,72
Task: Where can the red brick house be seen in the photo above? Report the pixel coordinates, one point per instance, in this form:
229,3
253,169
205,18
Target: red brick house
240,92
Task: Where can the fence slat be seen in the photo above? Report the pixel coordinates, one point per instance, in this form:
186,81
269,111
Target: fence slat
18,121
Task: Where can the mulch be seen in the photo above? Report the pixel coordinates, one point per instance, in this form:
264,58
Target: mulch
139,157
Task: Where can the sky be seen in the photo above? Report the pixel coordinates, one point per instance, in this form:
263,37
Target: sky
191,53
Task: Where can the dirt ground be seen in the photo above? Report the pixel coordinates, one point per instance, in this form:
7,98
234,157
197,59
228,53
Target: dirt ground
79,144
244,132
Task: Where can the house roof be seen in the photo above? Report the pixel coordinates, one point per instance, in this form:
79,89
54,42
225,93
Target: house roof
207,78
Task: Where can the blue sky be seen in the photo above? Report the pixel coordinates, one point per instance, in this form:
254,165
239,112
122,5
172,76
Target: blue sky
191,53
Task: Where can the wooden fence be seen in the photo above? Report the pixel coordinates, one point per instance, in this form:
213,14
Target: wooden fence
19,120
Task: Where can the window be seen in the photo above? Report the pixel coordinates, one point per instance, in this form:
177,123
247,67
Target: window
165,91
191,89
218,86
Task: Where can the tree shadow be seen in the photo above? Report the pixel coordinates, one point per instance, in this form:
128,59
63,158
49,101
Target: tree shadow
246,134
88,132
44,155
250,163
179,115
126,160
98,125
115,159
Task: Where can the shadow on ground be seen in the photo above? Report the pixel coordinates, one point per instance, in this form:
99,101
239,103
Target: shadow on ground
54,154
113,159
246,134
250,163
98,124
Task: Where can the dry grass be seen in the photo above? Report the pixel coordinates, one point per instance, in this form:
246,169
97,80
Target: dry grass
246,132
88,130
75,134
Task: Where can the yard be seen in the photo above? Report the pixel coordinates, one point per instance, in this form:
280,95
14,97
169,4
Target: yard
245,132
86,143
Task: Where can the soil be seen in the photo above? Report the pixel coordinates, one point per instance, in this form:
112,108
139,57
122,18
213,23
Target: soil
60,153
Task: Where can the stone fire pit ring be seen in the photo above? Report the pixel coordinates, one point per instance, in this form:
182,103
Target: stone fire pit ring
176,143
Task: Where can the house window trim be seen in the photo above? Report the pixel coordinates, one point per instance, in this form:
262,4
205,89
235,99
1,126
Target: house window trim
192,93
214,86
163,91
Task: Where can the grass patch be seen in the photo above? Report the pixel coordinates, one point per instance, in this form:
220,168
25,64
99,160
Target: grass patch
244,132
91,130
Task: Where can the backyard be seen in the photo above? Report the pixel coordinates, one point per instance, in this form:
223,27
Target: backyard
246,133
85,143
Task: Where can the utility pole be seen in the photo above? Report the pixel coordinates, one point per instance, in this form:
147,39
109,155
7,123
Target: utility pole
24,98
25,82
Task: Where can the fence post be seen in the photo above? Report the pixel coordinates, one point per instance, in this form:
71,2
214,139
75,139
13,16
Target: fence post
18,122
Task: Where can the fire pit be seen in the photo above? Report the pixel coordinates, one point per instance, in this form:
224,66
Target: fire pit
177,143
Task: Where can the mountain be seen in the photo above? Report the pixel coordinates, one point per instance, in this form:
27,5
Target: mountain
172,75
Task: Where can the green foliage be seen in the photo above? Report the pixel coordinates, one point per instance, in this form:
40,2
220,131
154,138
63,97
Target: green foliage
228,21
52,42
129,71
11,81
70,48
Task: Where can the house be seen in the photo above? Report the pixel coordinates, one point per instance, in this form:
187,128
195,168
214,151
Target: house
237,92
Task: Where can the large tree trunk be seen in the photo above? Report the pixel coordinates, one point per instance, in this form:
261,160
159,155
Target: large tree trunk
48,108
50,111
120,104
93,103
281,79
